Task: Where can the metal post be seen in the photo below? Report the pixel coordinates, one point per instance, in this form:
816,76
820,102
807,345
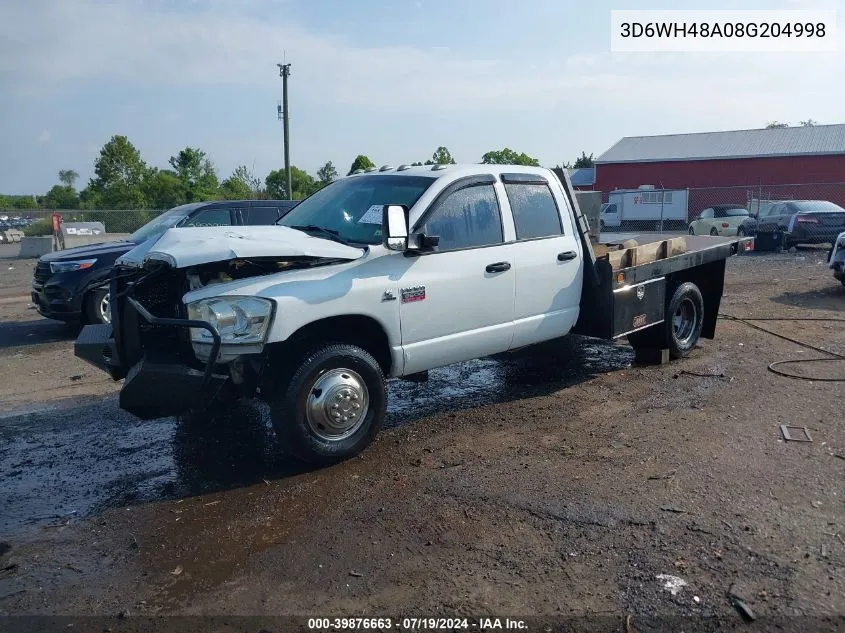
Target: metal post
284,71
662,202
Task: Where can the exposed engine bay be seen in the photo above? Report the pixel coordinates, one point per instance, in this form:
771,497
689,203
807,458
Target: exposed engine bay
235,269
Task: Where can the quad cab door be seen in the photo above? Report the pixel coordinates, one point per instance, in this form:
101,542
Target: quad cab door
457,300
548,259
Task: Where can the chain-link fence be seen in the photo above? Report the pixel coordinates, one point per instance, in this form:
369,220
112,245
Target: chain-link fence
34,222
778,215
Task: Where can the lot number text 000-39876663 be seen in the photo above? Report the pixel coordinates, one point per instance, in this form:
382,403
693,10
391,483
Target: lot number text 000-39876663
723,31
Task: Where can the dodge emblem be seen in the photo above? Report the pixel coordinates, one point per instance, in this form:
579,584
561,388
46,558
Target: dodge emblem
640,292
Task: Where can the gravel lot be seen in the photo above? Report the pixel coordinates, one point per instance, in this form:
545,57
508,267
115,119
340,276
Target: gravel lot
558,483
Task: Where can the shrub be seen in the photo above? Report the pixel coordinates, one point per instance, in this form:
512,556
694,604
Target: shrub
44,226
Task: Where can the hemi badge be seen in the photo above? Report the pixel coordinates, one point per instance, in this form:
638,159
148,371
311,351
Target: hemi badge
417,293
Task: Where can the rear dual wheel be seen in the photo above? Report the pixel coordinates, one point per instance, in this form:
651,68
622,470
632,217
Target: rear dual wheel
681,329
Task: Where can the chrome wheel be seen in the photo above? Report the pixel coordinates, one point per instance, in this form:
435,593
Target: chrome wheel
684,321
337,404
104,308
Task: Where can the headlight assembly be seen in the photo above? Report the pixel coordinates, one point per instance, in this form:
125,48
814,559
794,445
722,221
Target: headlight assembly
238,320
70,266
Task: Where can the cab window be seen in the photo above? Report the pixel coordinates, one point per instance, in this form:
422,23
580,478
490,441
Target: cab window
535,213
468,218
210,217
260,215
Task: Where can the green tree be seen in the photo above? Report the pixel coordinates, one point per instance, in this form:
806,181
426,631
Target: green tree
25,202
508,156
197,172
241,185
808,123
441,157
164,189
61,197
583,161
302,183
119,174
776,124
5,203
68,177
360,162
326,174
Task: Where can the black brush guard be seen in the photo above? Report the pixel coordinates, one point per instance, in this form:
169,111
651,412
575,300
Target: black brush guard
159,383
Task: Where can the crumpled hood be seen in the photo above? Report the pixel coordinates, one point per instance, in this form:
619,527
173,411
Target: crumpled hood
190,246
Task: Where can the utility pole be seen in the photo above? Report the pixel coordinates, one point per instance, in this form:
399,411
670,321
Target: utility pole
284,73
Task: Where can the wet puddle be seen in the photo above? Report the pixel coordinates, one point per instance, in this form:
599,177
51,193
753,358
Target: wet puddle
62,463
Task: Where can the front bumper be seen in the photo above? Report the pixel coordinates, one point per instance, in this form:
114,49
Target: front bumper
820,235
160,384
57,301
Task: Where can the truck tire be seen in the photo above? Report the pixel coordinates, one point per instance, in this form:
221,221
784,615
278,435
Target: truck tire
332,407
97,309
684,319
681,329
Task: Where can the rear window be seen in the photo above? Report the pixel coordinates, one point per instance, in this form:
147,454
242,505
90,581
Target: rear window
816,206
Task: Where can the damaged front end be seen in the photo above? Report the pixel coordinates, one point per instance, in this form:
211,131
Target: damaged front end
176,357
148,344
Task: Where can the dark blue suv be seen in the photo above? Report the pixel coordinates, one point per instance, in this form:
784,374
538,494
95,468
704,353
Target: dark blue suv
72,285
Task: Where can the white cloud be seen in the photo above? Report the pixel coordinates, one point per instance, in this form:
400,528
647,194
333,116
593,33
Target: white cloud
558,103
44,137
214,44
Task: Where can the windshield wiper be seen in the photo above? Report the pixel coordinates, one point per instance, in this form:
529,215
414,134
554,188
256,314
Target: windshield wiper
327,233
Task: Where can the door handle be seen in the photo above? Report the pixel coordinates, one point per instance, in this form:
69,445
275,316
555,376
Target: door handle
566,256
498,267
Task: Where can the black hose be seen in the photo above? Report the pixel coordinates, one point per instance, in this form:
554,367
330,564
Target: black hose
772,367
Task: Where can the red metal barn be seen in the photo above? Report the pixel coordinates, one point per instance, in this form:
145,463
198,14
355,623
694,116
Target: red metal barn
732,167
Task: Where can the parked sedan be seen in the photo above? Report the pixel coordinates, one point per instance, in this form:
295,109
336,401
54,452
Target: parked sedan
720,219
792,222
72,285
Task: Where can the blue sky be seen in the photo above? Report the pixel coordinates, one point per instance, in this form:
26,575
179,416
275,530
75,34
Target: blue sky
390,79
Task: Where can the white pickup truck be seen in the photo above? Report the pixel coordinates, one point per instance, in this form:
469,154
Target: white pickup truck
386,274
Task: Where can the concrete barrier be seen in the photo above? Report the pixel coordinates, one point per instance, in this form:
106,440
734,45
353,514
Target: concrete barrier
36,246
11,236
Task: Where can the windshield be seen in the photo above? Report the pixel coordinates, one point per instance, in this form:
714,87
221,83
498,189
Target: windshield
730,213
352,207
157,226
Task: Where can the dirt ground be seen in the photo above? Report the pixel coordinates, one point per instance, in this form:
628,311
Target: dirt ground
561,483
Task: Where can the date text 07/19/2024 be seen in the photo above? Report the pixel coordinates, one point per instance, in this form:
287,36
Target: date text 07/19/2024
416,624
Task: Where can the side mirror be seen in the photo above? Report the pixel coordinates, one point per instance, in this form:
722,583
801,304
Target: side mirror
394,227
